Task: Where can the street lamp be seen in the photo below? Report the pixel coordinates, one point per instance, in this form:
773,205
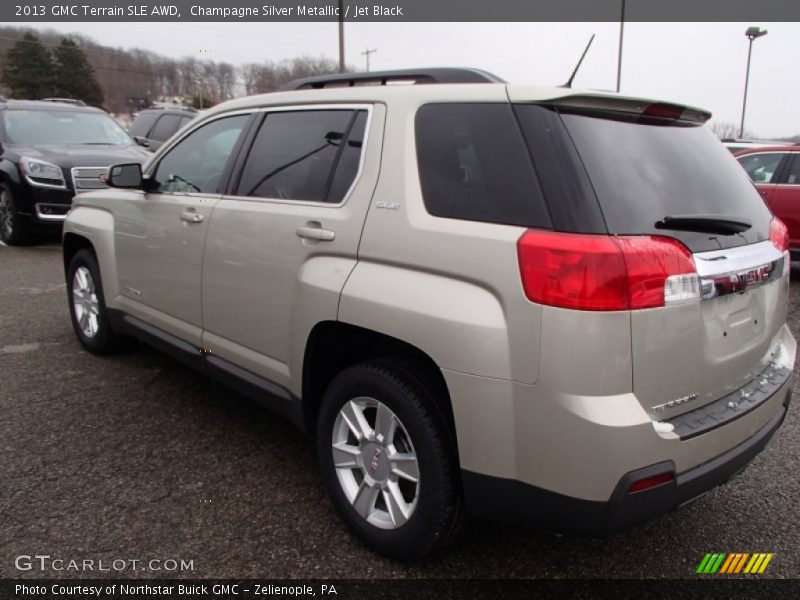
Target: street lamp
751,34
341,36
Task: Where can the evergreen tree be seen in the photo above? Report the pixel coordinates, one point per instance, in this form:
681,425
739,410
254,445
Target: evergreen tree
73,76
28,69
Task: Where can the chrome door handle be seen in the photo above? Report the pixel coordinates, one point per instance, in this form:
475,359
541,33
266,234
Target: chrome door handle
315,233
190,215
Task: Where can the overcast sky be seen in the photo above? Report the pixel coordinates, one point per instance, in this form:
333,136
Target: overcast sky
702,64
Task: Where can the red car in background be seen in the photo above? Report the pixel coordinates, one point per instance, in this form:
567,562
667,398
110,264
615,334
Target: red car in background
775,170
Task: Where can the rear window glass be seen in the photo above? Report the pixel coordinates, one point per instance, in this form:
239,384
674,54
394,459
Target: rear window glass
473,164
761,167
142,123
793,175
642,172
296,155
166,126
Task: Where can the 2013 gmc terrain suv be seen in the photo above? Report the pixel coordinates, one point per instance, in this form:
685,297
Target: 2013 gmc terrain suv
515,302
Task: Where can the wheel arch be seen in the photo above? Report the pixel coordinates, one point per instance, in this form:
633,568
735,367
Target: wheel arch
333,346
71,244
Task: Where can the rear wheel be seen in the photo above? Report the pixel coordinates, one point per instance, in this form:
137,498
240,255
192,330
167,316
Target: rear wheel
87,305
12,229
386,460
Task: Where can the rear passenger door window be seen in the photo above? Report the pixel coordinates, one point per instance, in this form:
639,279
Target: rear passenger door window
310,155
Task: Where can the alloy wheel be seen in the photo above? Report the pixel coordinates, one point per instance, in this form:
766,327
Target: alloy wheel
375,463
84,302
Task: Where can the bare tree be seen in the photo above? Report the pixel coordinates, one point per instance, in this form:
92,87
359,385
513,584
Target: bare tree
268,76
132,78
725,130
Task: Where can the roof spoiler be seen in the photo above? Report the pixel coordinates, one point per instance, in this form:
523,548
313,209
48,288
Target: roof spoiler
404,76
646,108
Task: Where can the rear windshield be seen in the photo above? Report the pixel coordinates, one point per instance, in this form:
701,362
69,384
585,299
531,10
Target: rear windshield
643,172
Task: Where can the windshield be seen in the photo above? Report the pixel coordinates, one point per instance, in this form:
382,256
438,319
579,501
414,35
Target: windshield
63,127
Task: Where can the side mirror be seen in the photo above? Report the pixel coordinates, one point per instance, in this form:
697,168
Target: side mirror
142,141
127,176
759,177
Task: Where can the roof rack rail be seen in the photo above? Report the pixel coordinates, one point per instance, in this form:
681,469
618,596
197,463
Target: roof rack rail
416,76
172,107
71,101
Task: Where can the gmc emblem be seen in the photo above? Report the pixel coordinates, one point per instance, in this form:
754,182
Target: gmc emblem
741,281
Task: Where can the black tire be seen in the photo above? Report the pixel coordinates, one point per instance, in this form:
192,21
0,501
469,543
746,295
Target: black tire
12,229
104,340
437,494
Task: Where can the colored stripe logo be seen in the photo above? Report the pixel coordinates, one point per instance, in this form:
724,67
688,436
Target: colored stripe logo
736,562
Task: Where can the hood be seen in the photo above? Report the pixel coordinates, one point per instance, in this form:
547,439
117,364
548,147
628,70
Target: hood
67,157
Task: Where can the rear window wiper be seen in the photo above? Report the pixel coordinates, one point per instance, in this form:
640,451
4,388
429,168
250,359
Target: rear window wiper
718,224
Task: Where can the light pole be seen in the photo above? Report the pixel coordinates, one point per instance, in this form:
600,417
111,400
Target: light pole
619,53
341,36
751,34
366,53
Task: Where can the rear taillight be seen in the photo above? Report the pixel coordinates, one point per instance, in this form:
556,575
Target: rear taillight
600,272
779,234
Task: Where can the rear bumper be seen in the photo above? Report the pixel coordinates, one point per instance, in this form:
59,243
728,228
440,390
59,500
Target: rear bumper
513,500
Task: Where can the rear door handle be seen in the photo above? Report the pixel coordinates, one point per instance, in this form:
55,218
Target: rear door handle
190,215
315,233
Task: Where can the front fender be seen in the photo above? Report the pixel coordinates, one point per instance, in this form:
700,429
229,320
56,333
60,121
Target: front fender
97,226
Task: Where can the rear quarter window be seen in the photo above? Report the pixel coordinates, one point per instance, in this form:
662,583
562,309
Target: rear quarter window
473,164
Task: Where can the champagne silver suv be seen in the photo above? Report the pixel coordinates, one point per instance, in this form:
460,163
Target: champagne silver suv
525,303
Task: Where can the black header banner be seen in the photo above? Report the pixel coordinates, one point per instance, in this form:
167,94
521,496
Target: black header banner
50,11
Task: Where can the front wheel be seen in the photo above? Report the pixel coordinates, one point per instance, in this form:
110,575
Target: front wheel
387,461
87,305
12,229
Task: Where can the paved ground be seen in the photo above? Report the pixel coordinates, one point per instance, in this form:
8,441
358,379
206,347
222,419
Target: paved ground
136,457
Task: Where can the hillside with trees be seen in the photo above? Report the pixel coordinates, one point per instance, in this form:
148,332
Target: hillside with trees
128,80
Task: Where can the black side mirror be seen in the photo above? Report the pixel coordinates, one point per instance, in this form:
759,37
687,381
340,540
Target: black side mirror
127,176
142,141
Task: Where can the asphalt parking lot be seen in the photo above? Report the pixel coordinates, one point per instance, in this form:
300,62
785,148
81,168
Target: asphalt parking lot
136,457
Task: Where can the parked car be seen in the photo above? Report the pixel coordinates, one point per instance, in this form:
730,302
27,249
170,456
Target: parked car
735,145
535,304
775,170
49,152
154,126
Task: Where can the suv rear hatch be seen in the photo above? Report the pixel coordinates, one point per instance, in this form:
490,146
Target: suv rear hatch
642,171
